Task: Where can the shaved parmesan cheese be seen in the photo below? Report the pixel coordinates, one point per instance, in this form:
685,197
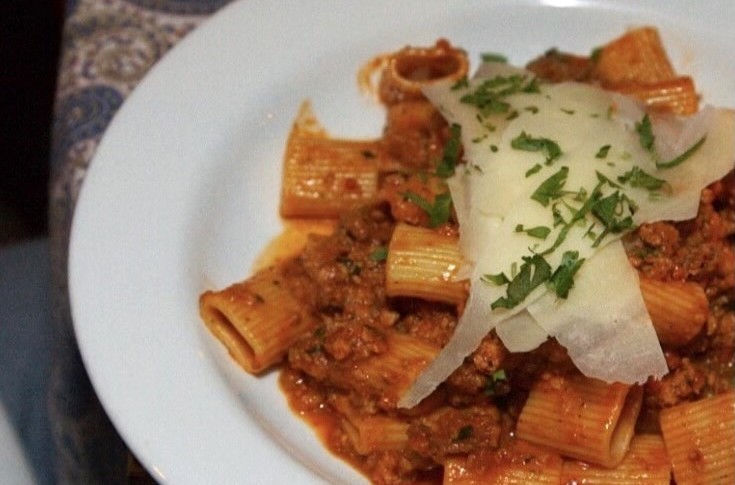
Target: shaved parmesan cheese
555,175
604,324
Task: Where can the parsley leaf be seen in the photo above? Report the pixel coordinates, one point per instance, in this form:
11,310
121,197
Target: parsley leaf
438,212
540,232
495,279
461,84
536,168
493,57
603,151
533,272
688,153
526,142
488,96
644,128
563,278
551,188
450,157
493,382
379,254
609,210
637,177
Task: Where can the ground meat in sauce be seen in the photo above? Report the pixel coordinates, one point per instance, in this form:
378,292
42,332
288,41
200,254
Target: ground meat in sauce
452,431
470,413
475,410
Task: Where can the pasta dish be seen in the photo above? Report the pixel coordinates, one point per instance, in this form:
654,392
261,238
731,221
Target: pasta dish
528,277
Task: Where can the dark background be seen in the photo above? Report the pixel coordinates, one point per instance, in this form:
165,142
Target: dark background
30,32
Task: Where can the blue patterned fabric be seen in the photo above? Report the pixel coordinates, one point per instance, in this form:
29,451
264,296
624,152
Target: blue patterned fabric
107,48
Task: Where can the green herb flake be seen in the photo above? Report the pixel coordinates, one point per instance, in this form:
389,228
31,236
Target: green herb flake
563,278
535,169
493,57
568,111
615,212
438,212
532,87
494,148
595,54
539,232
512,115
644,128
551,188
603,151
637,177
463,83
452,149
532,109
495,279
493,381
379,254
533,272
681,158
528,143
489,96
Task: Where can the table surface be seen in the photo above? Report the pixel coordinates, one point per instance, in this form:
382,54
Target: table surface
107,48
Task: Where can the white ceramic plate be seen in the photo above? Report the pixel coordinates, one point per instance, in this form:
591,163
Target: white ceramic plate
183,193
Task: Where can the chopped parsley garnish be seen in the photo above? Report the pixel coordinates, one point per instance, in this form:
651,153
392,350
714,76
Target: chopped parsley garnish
528,143
461,84
551,188
489,96
644,128
533,272
535,169
563,278
595,54
379,254
493,381
602,152
450,157
615,212
539,232
438,212
637,177
493,57
496,279
688,153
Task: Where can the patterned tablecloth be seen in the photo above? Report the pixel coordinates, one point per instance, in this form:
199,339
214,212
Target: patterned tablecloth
107,48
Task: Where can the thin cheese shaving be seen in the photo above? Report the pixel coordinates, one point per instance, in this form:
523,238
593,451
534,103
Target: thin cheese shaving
564,160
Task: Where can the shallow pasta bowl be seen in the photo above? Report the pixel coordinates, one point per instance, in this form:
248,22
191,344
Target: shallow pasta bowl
183,192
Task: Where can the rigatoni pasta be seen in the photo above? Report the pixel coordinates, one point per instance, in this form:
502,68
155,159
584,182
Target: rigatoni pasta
645,463
424,264
259,319
700,440
581,418
372,306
